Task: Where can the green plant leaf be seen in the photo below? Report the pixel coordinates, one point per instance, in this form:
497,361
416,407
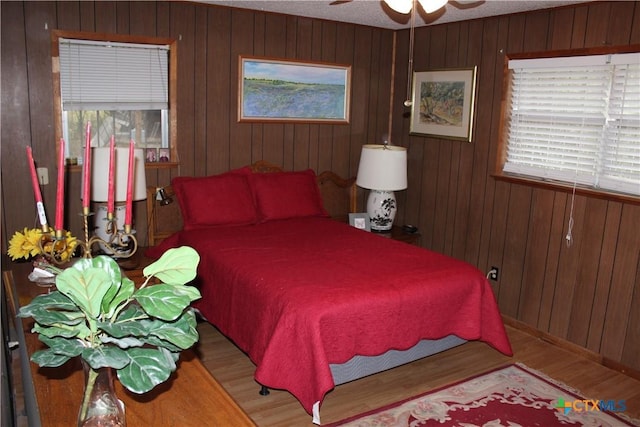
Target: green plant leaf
137,328
176,266
162,301
60,330
47,301
102,356
190,291
86,288
146,369
125,342
63,346
157,342
50,317
125,291
182,332
48,358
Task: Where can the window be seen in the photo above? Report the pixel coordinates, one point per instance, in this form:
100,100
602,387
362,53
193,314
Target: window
575,119
120,85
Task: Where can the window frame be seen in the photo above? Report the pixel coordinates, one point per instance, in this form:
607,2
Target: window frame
505,111
56,35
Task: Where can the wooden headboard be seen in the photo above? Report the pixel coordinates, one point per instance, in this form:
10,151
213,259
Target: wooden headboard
339,196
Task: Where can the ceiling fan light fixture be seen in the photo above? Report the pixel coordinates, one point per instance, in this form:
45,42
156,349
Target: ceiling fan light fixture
400,6
431,6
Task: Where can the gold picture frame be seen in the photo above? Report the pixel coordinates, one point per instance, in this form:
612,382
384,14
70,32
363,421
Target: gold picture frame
443,103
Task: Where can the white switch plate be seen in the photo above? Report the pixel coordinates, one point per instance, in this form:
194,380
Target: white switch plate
43,176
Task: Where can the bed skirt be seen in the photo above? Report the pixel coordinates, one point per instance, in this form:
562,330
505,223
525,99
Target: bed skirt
361,366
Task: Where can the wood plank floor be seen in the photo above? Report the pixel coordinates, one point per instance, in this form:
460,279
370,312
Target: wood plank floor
235,372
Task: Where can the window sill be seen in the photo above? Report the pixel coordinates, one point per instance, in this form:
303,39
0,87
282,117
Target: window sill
567,188
147,166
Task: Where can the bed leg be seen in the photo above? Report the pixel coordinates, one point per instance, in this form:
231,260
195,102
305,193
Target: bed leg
264,391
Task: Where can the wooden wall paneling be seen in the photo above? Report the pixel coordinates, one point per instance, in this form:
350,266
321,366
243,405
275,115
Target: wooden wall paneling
257,129
495,250
361,107
342,134
453,46
632,339
635,26
124,11
579,26
536,31
483,126
568,266
597,28
611,230
301,150
87,16
221,87
535,259
620,23
143,17
201,145
470,54
499,26
517,226
18,207
40,83
556,241
183,30
590,255
106,14
241,44
561,28
288,139
68,15
623,286
328,52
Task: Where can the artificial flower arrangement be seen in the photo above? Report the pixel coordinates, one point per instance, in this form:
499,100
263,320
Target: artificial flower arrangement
28,244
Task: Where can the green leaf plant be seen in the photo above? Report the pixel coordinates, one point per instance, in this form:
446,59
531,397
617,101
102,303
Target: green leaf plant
98,314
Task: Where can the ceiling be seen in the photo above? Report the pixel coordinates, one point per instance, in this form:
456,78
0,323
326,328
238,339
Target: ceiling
376,13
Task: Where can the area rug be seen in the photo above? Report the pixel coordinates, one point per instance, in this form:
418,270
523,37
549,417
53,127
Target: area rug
511,396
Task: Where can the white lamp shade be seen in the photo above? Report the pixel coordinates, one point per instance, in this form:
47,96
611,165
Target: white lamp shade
382,167
100,174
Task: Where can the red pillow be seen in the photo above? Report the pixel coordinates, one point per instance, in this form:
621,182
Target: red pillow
281,195
224,199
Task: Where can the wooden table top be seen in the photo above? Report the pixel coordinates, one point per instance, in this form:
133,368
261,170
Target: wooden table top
191,396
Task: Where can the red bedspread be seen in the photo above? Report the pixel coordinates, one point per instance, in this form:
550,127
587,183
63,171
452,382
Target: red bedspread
299,294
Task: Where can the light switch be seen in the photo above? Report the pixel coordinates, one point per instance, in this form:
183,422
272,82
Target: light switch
43,176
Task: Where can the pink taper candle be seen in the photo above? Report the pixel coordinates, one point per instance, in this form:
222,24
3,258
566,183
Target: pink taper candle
111,183
60,189
129,206
36,190
86,167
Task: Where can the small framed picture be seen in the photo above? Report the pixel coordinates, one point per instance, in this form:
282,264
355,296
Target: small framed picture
150,155
360,221
164,155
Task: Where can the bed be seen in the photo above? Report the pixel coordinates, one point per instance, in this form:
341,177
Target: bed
312,301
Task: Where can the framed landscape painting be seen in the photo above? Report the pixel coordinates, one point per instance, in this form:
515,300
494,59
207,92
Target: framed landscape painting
443,103
271,90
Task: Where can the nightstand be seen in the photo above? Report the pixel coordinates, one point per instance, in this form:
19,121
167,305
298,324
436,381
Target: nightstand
397,233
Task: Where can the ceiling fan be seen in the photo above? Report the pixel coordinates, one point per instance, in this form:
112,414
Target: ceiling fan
429,6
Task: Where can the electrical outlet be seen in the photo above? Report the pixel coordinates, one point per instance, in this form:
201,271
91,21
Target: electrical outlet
493,273
43,176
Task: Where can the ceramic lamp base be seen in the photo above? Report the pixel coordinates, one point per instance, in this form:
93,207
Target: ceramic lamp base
381,207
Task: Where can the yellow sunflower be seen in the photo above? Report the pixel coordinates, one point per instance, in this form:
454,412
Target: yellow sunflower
26,244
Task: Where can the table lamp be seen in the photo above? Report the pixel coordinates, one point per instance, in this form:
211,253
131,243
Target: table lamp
100,193
383,170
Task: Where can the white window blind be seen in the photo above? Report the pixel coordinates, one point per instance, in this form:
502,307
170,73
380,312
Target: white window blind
576,119
98,75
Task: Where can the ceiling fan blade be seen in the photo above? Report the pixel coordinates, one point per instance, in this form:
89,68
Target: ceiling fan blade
466,4
338,2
